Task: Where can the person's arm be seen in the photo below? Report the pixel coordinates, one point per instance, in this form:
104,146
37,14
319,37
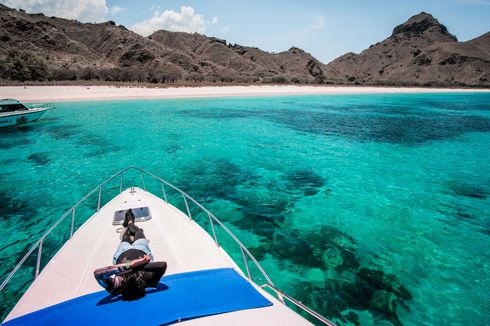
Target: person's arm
104,273
138,262
153,272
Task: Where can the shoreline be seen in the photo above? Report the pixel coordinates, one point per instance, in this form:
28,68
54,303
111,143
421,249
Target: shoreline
29,94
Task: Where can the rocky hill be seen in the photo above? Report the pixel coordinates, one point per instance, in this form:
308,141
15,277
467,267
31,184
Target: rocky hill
36,47
419,52
294,65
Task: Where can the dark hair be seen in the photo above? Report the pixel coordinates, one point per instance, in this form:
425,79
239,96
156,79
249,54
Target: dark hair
110,286
133,286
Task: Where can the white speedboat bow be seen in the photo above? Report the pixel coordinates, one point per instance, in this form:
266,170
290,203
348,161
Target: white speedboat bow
13,112
203,285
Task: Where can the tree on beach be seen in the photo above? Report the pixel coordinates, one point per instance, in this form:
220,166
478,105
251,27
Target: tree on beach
22,66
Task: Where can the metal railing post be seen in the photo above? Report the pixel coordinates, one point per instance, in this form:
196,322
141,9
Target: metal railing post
163,191
246,263
187,206
98,201
212,228
39,253
142,180
72,221
121,183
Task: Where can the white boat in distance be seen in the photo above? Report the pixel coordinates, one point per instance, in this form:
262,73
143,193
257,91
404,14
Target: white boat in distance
13,112
203,285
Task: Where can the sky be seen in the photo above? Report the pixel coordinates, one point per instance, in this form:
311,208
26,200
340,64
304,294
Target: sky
324,28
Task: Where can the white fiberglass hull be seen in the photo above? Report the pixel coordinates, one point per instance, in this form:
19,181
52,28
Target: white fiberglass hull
21,117
174,238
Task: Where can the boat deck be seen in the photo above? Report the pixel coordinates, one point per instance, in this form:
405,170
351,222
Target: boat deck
173,237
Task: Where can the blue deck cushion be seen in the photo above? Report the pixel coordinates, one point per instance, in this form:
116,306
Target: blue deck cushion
177,297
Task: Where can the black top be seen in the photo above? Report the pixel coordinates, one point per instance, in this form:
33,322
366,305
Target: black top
130,255
151,272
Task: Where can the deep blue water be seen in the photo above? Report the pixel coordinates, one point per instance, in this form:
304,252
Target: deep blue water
371,209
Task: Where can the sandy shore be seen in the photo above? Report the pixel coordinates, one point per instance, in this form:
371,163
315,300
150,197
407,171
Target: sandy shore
87,93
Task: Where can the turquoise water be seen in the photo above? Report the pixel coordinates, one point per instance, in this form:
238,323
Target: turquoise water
371,209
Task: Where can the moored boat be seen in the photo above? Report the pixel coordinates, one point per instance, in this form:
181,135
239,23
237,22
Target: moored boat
203,285
14,112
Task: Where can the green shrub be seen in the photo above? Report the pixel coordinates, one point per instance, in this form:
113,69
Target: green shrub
22,66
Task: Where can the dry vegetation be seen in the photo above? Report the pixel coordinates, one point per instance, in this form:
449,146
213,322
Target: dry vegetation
50,50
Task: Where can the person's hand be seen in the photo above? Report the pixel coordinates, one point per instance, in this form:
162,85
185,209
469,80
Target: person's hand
140,261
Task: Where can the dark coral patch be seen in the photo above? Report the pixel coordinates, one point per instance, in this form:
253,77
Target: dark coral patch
409,129
97,145
458,211
353,318
223,180
217,113
172,148
218,178
379,280
10,206
357,287
13,142
379,292
301,178
290,246
305,181
476,191
64,131
102,151
39,158
93,140
259,252
377,121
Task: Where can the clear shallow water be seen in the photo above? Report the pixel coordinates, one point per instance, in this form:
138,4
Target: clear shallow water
369,208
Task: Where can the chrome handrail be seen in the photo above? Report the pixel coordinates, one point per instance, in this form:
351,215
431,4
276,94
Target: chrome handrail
212,219
300,305
39,243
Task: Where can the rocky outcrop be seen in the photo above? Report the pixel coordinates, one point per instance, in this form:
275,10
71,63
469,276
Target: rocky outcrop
419,52
292,66
424,25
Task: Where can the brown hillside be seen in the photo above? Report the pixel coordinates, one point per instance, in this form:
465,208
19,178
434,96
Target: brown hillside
293,65
419,52
36,47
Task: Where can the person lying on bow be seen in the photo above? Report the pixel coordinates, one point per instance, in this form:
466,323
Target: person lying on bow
132,270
